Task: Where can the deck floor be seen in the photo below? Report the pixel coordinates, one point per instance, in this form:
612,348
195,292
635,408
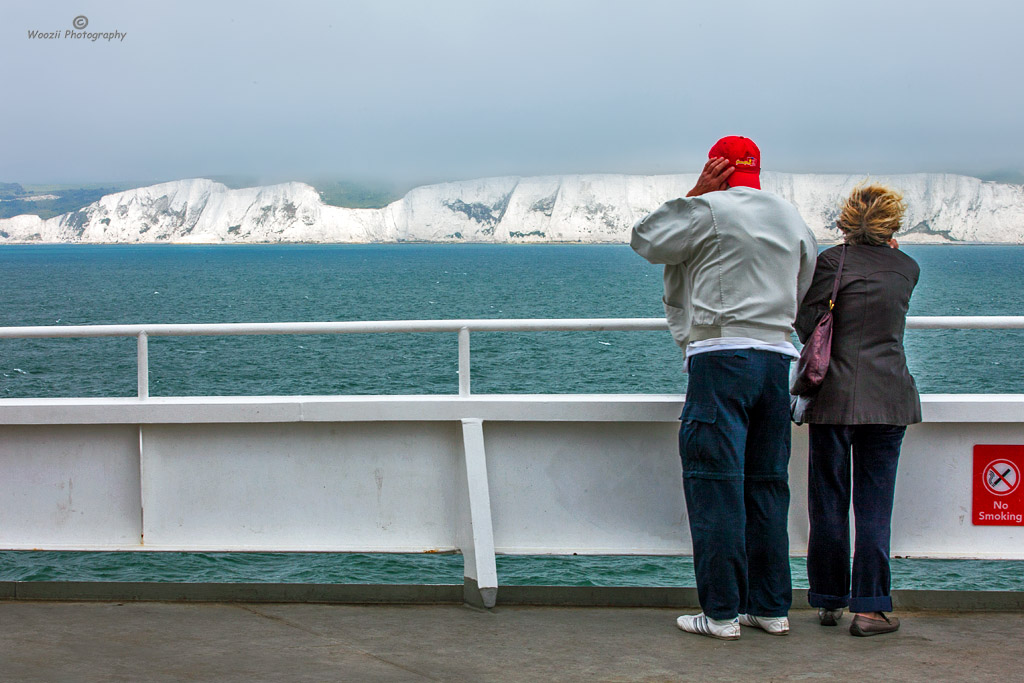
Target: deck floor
89,641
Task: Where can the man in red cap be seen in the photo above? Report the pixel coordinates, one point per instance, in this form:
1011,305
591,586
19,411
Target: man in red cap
738,261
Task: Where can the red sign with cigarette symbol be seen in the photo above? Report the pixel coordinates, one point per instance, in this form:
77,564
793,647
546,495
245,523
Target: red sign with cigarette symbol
998,495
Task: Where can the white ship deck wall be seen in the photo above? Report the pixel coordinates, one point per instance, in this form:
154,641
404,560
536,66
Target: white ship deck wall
480,474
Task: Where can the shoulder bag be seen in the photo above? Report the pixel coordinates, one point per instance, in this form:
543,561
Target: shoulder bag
815,356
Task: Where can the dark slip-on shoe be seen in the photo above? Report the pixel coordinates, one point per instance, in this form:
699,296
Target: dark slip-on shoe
862,626
829,617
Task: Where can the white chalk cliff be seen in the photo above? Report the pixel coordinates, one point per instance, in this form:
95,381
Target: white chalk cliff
573,208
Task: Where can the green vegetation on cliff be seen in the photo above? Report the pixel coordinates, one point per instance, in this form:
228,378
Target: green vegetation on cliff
354,195
16,199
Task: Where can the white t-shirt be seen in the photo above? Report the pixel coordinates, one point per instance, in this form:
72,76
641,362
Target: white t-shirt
733,343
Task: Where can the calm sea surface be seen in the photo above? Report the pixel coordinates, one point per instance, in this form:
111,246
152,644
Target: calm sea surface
79,284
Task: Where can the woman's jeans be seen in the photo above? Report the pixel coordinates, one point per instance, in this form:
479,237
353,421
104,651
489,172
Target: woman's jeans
876,452
735,443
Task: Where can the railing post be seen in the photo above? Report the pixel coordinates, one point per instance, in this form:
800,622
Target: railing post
480,575
464,361
143,365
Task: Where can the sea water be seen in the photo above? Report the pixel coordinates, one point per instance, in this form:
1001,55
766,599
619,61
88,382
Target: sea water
90,284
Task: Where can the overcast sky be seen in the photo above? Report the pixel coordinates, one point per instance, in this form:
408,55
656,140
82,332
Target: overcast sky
437,89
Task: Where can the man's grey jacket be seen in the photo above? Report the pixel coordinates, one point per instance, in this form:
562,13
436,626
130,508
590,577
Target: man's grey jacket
737,264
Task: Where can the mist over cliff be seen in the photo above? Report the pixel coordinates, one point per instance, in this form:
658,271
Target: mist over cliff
942,208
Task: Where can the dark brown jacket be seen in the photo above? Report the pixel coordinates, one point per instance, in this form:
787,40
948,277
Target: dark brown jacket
867,380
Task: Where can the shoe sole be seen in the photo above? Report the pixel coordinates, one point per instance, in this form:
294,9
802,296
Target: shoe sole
860,633
772,633
708,635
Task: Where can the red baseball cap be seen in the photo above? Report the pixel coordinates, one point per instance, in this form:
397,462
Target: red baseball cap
745,158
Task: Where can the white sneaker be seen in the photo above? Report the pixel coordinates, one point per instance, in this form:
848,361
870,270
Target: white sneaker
724,629
776,626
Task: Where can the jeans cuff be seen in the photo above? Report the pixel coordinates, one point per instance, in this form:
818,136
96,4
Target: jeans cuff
828,601
721,616
878,603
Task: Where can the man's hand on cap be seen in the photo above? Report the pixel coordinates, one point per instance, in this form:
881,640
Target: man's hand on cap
713,177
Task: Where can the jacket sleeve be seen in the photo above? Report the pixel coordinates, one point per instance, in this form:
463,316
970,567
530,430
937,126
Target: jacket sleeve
678,309
808,260
815,301
668,234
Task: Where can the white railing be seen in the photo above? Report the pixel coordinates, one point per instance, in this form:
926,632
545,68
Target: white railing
481,474
461,327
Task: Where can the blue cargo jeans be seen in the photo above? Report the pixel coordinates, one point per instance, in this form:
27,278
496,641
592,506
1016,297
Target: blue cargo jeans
734,442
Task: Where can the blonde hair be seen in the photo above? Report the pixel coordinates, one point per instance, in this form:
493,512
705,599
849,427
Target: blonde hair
871,214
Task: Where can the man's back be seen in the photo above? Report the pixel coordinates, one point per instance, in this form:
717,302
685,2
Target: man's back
737,263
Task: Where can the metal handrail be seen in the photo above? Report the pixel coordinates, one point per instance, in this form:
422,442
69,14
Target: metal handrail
960,322
461,327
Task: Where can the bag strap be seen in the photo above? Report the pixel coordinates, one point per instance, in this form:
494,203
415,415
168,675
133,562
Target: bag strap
839,274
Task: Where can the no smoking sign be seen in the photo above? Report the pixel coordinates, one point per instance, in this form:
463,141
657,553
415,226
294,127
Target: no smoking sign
998,495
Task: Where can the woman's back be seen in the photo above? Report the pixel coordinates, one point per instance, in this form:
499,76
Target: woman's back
868,381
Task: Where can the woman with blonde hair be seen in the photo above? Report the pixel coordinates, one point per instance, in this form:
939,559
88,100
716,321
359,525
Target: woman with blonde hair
864,405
